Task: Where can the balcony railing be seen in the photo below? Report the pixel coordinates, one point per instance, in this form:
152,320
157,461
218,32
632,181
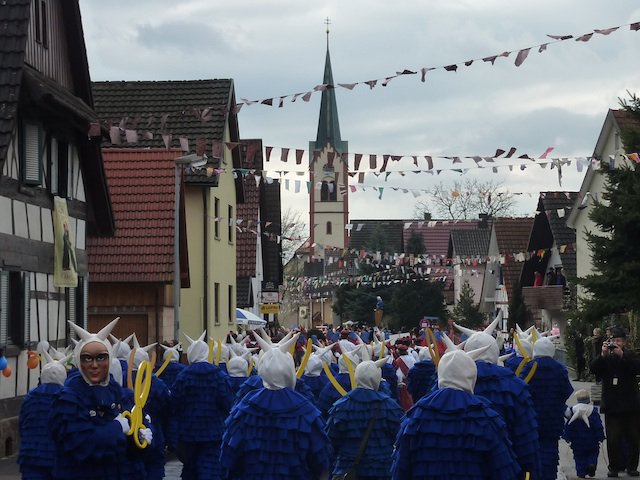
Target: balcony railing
550,297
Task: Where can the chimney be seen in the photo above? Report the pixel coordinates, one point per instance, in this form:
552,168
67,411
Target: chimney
483,220
426,216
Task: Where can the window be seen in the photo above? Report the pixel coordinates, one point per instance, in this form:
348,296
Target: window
41,23
329,228
328,191
230,300
216,215
216,303
324,192
59,167
231,224
15,308
30,153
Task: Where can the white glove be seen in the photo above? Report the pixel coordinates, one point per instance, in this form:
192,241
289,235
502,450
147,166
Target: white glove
124,423
146,434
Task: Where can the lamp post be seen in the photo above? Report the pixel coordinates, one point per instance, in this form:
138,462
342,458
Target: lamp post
192,161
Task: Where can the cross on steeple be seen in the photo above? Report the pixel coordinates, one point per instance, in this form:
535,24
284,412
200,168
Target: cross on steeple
327,22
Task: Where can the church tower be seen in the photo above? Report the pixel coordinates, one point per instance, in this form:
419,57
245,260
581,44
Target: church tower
328,171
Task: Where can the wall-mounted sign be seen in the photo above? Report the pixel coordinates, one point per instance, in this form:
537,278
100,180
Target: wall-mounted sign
269,308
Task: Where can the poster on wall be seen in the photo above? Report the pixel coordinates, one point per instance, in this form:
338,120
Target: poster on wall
65,272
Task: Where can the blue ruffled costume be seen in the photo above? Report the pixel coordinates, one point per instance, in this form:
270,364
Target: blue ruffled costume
37,451
158,407
513,362
329,394
275,435
421,379
254,382
170,373
510,397
389,374
316,384
89,443
585,441
348,421
452,434
201,401
235,383
550,388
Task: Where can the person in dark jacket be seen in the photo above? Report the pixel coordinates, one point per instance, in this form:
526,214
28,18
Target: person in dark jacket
618,366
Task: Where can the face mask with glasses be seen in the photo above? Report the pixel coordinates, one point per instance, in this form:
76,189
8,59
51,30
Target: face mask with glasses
99,358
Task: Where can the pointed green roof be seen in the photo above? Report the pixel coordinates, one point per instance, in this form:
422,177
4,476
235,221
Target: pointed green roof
328,124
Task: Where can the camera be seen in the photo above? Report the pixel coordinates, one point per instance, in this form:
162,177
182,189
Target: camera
610,344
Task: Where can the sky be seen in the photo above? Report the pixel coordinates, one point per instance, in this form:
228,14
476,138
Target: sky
270,48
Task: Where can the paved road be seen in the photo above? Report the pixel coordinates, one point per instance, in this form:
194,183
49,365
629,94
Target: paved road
566,471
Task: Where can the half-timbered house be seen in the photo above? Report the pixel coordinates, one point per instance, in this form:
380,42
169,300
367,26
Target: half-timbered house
52,188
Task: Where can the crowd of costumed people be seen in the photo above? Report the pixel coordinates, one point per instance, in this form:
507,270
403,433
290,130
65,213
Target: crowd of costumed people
250,407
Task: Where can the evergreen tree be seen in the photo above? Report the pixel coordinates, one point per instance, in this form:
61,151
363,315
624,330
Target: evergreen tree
414,300
518,311
615,283
467,312
415,244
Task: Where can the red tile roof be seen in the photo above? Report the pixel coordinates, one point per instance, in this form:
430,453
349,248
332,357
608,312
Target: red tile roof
512,235
436,237
142,186
248,211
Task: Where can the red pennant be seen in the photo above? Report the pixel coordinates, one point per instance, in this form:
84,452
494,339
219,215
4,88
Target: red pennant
114,135
216,150
184,144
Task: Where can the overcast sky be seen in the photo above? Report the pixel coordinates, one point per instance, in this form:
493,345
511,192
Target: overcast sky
270,48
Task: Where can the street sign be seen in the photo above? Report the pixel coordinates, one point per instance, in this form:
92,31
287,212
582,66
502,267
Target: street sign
269,297
266,308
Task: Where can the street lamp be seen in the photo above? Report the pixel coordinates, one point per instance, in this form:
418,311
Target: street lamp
193,161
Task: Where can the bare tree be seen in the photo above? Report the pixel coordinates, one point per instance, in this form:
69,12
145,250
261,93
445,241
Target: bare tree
465,200
294,232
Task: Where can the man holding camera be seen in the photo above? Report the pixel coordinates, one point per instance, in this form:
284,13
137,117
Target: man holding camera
618,367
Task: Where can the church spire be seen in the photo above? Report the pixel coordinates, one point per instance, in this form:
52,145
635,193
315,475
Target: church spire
328,124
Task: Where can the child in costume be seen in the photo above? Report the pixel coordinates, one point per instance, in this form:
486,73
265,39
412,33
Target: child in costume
37,451
550,388
452,433
509,396
274,433
584,432
201,401
349,420
86,423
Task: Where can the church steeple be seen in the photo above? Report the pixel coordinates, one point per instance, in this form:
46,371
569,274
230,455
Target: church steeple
328,124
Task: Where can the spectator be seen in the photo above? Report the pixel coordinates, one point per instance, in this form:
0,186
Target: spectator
537,279
618,366
579,351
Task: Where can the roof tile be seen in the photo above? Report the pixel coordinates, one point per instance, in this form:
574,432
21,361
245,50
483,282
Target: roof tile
142,191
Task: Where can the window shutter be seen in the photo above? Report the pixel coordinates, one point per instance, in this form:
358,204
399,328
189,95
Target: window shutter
26,282
32,171
4,308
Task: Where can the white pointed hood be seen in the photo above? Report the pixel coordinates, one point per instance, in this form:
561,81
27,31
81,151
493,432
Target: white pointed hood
457,369
581,411
198,350
53,371
478,340
173,351
237,366
342,364
116,370
86,338
368,374
314,366
276,364
544,347
121,348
